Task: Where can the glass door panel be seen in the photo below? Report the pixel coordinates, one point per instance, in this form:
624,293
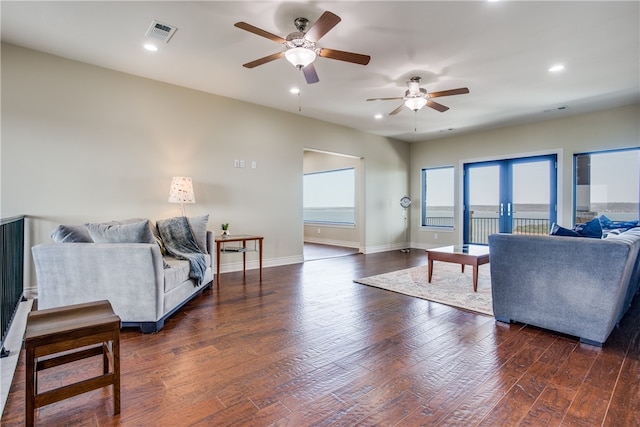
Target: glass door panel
531,196
509,196
482,208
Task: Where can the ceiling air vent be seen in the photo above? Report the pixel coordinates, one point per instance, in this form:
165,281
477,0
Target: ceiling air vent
160,31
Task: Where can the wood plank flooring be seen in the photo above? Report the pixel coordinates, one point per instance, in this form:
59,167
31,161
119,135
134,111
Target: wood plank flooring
308,347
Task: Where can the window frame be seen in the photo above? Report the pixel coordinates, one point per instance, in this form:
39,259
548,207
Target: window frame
575,175
424,208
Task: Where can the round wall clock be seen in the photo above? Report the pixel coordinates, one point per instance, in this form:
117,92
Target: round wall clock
405,202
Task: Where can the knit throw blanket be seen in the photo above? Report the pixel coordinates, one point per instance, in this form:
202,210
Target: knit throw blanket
178,239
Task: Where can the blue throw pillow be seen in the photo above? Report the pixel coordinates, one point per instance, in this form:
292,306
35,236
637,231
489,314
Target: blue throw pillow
557,230
591,229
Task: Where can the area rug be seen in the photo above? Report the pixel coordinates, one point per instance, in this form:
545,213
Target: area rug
448,285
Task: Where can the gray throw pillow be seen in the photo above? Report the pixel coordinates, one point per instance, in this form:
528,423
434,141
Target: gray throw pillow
137,232
71,234
198,226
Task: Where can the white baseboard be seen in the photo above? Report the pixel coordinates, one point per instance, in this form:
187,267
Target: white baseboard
13,344
255,264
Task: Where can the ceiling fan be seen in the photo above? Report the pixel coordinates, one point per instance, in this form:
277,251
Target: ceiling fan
416,97
300,46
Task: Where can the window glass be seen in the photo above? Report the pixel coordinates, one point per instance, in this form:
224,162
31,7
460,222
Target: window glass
607,183
438,196
329,196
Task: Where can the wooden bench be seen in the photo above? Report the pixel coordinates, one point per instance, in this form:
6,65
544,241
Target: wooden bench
61,335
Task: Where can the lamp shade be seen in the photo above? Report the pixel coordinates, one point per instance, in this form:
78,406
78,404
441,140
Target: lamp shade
181,190
300,56
415,103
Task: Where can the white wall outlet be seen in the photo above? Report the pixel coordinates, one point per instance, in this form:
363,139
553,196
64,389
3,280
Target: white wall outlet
241,163
236,163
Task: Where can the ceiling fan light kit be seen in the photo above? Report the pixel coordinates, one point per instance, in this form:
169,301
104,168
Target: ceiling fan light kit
415,103
300,46
300,56
416,97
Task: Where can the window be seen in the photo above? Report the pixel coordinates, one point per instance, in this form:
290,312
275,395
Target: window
438,195
607,183
329,197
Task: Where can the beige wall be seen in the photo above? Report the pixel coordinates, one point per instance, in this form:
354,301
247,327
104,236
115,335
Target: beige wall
610,129
85,144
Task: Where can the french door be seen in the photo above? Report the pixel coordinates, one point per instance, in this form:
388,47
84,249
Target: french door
509,196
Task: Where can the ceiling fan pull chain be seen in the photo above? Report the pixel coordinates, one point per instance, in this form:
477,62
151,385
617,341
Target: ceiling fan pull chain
299,93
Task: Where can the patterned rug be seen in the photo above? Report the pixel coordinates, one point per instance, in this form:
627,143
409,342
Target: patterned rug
448,285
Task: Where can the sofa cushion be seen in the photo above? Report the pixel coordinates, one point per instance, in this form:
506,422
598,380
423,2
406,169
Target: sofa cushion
71,234
557,230
591,229
177,271
198,226
137,232
608,224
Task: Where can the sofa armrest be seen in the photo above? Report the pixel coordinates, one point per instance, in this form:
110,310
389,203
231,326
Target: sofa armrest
71,273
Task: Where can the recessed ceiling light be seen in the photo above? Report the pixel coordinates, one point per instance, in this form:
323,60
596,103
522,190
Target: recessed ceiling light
377,116
294,90
556,68
151,47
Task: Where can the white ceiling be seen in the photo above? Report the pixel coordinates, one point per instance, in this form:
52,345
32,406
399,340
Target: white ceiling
499,50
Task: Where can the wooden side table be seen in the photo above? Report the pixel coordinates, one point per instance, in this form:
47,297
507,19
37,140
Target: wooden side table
221,248
61,335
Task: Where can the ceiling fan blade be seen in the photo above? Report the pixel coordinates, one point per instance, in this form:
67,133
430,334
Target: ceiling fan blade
397,110
437,106
459,91
340,55
310,74
259,31
322,26
384,99
264,60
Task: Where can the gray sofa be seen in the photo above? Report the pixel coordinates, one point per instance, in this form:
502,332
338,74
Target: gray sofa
144,286
577,286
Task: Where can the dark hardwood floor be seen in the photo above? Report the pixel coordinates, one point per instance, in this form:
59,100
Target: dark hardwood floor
310,347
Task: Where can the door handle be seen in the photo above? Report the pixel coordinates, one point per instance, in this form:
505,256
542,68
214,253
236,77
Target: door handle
501,209
509,209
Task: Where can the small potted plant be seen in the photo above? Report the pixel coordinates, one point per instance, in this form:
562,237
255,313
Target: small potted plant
225,229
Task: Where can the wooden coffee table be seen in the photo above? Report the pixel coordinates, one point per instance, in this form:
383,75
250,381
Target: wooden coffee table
474,255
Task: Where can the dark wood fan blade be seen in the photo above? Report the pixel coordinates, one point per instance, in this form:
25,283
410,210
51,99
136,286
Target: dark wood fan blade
259,31
340,55
397,110
310,74
322,26
459,91
263,60
437,106
384,99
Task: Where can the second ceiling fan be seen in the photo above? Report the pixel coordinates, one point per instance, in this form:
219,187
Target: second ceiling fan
300,46
416,97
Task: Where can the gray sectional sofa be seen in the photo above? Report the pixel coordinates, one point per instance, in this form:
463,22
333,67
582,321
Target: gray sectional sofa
577,286
144,283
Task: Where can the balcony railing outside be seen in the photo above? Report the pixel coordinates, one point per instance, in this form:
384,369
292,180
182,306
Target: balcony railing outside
482,227
11,276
